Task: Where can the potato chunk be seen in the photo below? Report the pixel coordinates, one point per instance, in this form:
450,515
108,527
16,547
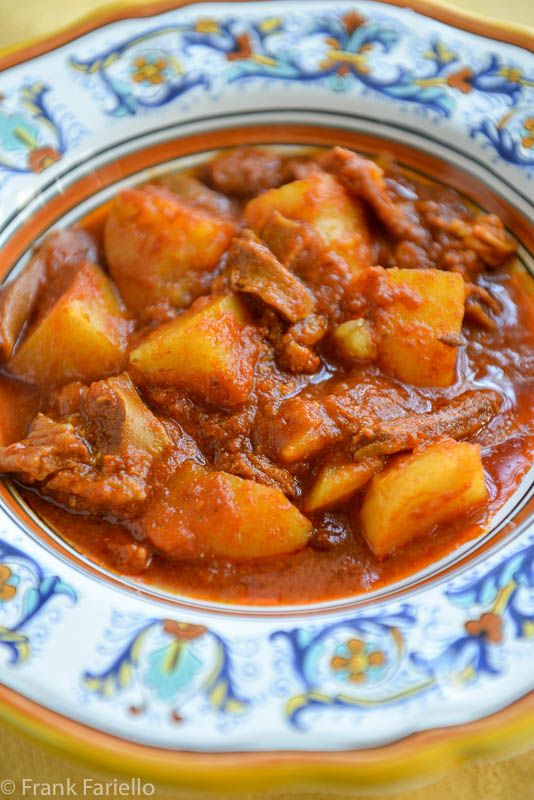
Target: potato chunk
354,340
210,351
419,323
301,429
419,491
336,482
324,203
202,512
158,246
79,337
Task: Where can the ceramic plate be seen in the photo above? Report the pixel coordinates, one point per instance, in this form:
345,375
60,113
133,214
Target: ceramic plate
219,696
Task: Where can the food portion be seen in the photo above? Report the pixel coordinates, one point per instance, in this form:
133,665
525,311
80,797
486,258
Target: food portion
414,493
280,378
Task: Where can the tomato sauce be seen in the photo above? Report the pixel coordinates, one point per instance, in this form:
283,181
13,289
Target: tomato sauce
305,399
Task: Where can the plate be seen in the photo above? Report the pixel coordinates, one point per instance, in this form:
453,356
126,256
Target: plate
213,696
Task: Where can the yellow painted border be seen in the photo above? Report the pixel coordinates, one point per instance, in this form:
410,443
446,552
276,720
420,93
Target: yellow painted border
421,756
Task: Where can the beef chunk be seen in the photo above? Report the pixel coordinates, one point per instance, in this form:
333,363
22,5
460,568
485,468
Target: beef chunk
244,172
365,179
462,417
255,270
49,447
96,458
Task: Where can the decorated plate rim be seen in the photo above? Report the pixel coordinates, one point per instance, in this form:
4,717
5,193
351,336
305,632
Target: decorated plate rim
428,753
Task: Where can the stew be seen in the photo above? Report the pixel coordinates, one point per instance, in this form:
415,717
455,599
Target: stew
276,379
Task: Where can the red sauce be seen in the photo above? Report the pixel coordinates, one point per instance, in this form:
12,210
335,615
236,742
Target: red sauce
337,561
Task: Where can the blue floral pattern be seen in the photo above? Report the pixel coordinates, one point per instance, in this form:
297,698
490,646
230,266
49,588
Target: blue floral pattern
364,663
343,51
31,137
25,592
172,660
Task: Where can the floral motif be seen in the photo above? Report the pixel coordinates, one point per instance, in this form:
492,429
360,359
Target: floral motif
355,659
376,662
8,587
505,596
173,661
25,591
337,49
351,663
528,140
31,139
149,70
488,626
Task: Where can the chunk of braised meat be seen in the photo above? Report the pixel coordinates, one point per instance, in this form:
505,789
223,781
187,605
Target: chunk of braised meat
246,463
298,345
245,172
476,297
50,446
255,270
295,345
98,455
301,249
462,417
225,438
58,255
113,487
328,414
483,235
365,179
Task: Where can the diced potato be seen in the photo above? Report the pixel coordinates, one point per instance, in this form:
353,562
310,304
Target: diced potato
159,247
80,337
355,340
419,330
18,405
421,490
202,512
119,421
324,203
301,429
336,482
210,350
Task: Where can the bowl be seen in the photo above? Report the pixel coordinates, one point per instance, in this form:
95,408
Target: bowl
214,696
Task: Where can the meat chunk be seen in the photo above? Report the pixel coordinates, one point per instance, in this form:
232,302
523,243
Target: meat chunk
332,412
113,487
255,467
476,297
95,459
245,172
254,270
462,417
483,235
49,447
301,249
365,179
60,253
117,420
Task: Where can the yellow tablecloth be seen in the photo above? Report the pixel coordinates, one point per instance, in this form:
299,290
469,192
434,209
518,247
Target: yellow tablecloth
19,758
